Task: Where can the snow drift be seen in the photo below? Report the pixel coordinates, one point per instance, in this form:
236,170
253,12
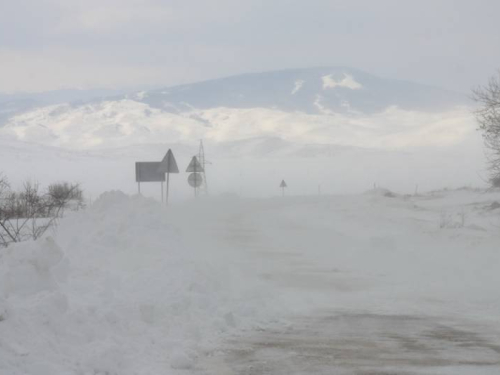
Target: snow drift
117,292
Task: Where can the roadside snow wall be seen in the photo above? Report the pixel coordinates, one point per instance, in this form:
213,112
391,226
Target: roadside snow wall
116,293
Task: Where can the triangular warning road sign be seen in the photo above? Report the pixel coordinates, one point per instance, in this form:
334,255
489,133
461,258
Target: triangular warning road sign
283,184
168,164
194,166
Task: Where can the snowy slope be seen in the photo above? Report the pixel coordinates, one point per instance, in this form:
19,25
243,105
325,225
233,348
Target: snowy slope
13,104
127,122
320,105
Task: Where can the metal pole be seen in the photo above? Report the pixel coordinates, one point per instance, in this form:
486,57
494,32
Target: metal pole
139,187
162,192
168,183
195,176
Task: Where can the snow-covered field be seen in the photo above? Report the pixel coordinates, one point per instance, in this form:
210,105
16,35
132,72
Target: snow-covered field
349,284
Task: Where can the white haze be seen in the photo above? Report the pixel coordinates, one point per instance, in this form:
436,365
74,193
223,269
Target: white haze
380,254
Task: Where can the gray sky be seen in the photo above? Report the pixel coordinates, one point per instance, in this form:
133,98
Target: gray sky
51,44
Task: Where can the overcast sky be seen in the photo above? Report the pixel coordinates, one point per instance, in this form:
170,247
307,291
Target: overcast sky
51,44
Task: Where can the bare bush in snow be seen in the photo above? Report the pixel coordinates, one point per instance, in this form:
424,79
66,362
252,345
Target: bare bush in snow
452,220
488,116
29,213
64,194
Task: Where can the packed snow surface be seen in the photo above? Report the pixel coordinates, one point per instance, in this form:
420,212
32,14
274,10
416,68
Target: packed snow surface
129,286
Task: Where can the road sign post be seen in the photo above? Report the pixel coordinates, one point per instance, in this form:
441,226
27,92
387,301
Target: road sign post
147,171
168,165
283,185
195,179
153,171
201,158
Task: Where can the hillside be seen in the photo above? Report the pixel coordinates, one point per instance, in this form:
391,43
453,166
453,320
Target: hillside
325,90
127,122
314,91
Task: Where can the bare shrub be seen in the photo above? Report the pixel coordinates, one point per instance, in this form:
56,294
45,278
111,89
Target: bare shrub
29,213
452,220
64,194
488,117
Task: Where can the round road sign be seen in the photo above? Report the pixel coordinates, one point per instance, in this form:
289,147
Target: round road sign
195,180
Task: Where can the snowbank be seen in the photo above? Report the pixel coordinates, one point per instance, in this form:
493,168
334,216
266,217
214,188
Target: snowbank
117,292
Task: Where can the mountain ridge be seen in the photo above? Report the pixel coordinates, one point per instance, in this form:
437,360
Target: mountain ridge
317,90
341,106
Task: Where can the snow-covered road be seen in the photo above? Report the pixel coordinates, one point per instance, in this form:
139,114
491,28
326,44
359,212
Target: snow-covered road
362,343
369,284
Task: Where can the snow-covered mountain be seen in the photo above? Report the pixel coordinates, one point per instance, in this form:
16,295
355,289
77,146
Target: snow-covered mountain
339,106
313,91
13,104
126,122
